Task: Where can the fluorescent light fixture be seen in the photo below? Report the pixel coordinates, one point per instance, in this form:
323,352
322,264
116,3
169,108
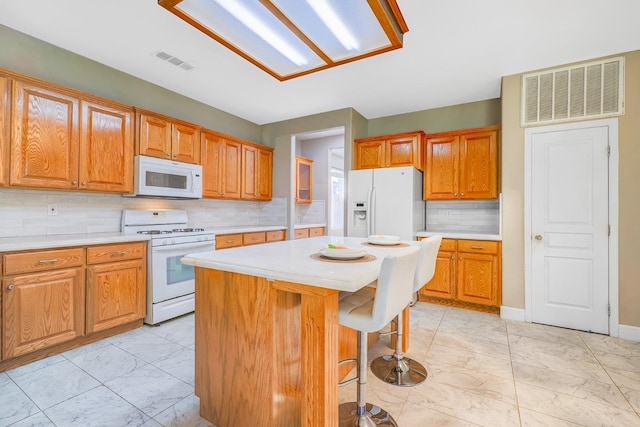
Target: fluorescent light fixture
334,23
292,38
255,24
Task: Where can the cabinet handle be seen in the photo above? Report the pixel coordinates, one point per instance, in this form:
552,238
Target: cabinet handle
74,182
461,194
455,194
452,257
476,247
84,182
229,241
48,261
168,155
10,287
118,253
460,258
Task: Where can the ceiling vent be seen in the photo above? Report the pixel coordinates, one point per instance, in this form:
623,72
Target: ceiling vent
585,91
173,60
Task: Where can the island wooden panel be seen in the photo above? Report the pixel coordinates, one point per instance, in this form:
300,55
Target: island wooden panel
266,352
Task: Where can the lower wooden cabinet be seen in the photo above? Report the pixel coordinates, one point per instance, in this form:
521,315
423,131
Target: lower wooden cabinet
225,241
115,289
57,299
303,233
42,309
467,272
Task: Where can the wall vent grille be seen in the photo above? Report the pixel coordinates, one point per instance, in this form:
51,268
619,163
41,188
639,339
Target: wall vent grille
591,90
173,60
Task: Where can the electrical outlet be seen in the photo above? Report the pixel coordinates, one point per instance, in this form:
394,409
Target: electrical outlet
52,210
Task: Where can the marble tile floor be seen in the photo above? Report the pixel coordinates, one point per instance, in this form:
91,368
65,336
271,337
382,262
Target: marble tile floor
483,371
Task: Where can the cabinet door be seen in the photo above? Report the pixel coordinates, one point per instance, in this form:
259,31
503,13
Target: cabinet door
42,309
212,157
441,169
106,148
304,177
185,143
265,174
404,151
369,154
232,170
441,285
154,136
249,188
115,294
301,233
478,166
45,138
477,278
4,130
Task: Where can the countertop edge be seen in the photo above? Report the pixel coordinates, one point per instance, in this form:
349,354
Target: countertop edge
23,243
460,235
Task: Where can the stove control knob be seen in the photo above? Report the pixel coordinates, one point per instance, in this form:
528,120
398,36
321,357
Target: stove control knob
173,241
165,242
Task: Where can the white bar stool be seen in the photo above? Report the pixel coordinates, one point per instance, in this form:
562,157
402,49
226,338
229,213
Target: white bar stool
396,369
367,311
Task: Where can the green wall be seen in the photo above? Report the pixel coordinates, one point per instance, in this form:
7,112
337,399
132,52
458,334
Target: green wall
463,116
27,55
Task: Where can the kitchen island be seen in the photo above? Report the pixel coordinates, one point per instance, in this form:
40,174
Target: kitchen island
266,325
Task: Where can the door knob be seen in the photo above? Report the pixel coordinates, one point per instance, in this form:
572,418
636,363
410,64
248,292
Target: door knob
538,237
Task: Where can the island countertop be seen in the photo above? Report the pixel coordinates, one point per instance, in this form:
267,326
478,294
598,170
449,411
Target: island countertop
291,261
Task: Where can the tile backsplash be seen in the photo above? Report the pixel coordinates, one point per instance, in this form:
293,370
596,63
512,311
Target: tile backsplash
475,216
24,212
312,213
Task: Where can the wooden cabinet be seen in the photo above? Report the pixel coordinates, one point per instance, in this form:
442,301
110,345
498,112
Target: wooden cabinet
303,233
43,300
166,137
52,148
462,164
235,170
225,241
402,149
4,130
304,180
467,272
116,285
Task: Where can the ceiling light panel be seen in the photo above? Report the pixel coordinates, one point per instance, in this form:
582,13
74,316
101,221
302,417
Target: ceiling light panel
291,38
251,28
340,28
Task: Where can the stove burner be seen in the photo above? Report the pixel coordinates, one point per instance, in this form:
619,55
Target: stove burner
154,232
186,230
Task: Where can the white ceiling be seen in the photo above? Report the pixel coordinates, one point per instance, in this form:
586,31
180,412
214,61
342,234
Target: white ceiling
455,52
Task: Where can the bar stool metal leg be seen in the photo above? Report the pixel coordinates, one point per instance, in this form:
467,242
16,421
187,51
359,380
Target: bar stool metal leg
396,369
360,413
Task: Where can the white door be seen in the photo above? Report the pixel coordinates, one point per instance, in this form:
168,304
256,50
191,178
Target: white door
569,228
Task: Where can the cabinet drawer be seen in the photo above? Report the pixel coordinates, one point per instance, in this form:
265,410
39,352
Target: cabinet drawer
301,233
43,260
275,235
228,241
478,246
316,231
110,253
254,238
448,245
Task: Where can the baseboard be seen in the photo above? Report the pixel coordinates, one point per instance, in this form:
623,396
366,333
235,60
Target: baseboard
631,333
511,313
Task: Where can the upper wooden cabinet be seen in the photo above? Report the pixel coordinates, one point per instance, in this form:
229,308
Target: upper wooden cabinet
235,170
304,180
462,164
166,138
52,148
402,149
4,130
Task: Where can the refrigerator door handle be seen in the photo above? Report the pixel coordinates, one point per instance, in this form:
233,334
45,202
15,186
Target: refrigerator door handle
372,209
369,211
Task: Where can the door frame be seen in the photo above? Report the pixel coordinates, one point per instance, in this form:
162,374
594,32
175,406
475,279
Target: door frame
612,125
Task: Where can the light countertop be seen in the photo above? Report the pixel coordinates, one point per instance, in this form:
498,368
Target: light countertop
245,229
460,235
21,243
291,261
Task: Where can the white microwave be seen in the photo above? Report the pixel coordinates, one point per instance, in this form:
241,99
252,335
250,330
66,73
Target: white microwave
156,177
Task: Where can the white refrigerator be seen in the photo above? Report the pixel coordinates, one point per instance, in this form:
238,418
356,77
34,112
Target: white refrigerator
385,201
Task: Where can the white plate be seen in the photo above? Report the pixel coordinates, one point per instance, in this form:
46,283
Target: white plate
383,239
348,253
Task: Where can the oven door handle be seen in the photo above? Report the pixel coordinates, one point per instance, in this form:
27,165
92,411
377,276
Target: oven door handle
182,246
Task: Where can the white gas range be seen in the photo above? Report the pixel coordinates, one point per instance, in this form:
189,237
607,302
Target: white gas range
170,285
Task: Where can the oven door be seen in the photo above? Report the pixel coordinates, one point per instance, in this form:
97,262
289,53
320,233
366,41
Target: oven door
167,277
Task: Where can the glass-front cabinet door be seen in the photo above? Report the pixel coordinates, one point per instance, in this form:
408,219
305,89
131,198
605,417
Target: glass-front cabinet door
304,173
